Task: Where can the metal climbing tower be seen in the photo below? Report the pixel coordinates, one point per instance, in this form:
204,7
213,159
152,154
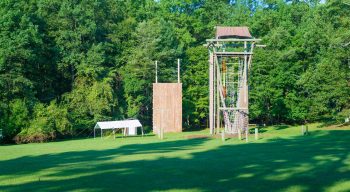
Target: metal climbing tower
230,57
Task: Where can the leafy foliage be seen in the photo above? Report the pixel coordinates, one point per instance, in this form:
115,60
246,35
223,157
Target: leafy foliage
66,64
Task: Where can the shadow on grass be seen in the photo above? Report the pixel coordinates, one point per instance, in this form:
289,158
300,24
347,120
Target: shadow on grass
310,163
280,127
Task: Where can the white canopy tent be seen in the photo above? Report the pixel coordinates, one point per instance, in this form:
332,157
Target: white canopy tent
129,126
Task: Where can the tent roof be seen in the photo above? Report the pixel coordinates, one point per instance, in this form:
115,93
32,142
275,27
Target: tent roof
118,124
227,32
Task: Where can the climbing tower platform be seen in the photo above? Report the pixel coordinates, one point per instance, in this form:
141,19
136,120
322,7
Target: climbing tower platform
230,58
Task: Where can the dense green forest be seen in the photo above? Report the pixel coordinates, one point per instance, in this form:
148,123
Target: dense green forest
65,64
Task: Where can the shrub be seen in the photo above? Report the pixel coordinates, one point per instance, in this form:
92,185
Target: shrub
15,117
48,122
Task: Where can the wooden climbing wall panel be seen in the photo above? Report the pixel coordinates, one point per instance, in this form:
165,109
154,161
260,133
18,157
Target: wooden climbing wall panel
167,107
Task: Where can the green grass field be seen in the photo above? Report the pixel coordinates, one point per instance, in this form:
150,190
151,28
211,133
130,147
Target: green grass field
281,160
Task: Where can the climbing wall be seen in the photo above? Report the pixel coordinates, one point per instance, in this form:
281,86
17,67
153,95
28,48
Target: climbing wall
167,107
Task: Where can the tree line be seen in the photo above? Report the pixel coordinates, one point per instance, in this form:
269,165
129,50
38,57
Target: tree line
66,64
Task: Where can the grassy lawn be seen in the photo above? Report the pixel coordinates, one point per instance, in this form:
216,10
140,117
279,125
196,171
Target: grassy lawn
281,160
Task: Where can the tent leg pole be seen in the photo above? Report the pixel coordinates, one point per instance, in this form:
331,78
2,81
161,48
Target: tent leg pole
142,131
101,133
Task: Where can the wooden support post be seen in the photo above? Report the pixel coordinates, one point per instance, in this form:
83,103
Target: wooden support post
302,130
223,135
246,134
245,78
161,126
211,92
159,132
217,99
214,92
161,129
239,133
306,130
256,134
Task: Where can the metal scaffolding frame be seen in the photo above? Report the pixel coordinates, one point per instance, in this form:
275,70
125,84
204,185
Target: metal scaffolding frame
229,63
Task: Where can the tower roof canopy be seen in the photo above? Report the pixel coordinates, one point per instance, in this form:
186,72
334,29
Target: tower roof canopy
232,32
